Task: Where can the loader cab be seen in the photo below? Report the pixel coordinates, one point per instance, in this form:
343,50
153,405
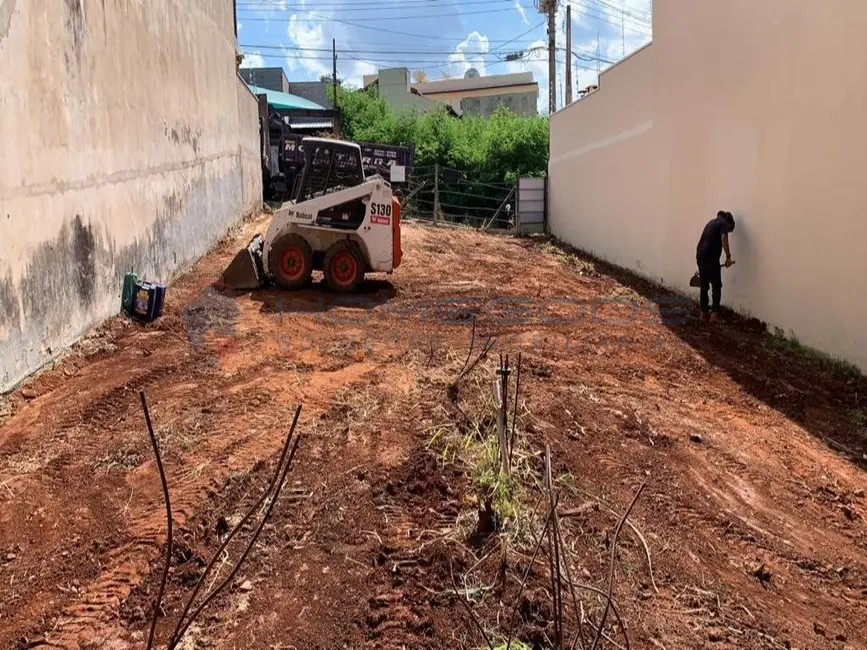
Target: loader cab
329,166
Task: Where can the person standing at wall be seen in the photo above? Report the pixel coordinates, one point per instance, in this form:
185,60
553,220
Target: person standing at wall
714,240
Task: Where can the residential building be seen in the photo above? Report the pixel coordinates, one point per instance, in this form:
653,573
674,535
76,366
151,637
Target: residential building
723,111
471,95
314,91
478,95
270,78
393,86
275,79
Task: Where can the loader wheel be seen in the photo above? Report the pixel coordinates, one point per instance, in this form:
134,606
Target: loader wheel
290,262
344,267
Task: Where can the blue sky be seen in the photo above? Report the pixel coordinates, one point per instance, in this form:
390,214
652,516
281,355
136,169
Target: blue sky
438,37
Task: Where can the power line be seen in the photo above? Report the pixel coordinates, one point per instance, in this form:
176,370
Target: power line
413,51
642,17
362,4
521,35
320,54
295,48
600,15
372,59
383,30
378,18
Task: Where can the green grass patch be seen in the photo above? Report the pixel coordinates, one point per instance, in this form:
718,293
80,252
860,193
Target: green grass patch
792,346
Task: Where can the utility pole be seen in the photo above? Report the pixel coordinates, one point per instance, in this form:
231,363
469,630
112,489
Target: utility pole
334,84
334,73
550,7
568,54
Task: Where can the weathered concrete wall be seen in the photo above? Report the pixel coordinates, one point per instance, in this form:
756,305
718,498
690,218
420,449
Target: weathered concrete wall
730,108
315,91
128,141
270,78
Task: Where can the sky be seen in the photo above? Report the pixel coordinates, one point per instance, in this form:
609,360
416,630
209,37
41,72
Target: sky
440,38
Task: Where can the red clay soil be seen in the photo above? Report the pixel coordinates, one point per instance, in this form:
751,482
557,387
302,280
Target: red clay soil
754,457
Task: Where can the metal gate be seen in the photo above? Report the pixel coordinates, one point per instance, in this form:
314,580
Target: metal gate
532,204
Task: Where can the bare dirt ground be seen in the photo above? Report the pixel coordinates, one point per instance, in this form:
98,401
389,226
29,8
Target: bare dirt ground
754,456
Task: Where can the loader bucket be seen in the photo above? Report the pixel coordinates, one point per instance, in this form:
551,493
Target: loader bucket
246,270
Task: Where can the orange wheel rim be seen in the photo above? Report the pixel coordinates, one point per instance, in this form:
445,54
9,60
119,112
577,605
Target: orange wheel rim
344,267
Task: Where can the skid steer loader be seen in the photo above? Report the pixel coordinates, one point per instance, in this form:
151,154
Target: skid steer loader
337,222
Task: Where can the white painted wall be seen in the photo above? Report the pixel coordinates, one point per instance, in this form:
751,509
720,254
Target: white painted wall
731,108
128,141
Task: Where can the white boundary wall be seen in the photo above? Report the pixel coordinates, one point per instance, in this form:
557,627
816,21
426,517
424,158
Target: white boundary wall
730,108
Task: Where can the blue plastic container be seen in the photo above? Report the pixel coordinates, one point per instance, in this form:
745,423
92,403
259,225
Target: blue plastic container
148,301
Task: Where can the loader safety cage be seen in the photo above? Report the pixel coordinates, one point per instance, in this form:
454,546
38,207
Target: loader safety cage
329,166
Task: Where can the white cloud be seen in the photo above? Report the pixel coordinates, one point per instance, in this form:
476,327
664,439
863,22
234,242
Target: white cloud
253,60
520,8
355,76
470,54
311,40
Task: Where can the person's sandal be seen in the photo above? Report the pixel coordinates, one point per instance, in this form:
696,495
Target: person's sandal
715,318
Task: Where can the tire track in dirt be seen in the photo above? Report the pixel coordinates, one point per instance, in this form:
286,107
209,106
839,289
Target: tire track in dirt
224,455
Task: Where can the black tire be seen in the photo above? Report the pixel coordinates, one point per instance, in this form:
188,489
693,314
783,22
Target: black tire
290,262
344,267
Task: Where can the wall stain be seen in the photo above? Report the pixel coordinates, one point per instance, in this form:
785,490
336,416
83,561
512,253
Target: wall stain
75,21
185,135
75,25
84,259
7,8
71,280
10,316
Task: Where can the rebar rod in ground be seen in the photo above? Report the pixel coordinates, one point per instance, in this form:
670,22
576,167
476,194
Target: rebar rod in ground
502,435
612,565
237,528
585,587
469,609
470,351
610,599
490,342
515,411
247,550
554,556
169,532
635,530
526,574
579,635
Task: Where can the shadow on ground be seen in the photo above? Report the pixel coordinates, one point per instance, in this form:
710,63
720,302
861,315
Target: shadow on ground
318,299
827,398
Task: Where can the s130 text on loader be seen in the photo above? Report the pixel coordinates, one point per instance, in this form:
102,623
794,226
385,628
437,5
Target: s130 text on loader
337,221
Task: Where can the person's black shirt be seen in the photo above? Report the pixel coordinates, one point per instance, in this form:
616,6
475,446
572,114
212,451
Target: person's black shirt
709,246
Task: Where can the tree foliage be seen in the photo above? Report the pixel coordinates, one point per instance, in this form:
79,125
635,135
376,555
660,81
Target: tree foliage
486,155
503,146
